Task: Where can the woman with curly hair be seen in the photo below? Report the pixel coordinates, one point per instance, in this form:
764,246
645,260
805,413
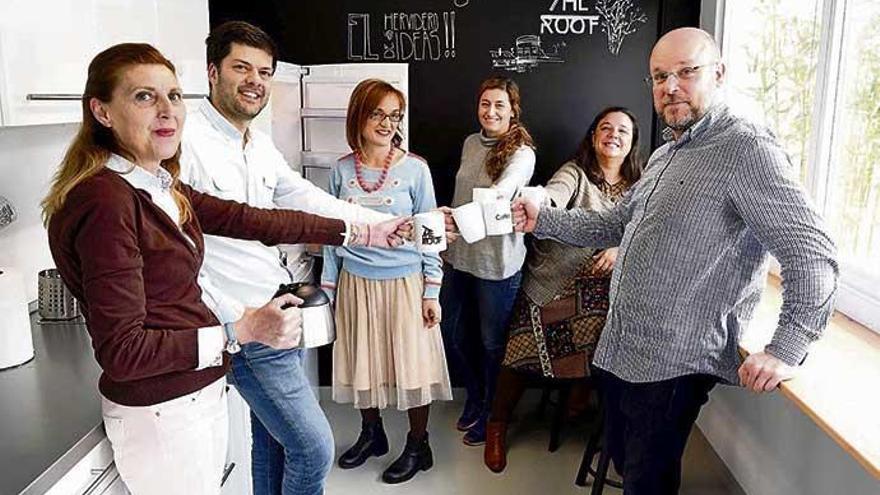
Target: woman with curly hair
501,156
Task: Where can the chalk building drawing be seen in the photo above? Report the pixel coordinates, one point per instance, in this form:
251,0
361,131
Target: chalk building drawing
527,54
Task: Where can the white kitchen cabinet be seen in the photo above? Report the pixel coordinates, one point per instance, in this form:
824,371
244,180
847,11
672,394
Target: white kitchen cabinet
94,474
46,46
181,31
237,477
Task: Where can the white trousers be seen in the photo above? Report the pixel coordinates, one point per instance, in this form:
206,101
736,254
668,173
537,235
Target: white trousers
174,447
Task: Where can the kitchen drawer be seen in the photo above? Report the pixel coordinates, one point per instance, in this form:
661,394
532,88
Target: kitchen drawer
89,471
107,482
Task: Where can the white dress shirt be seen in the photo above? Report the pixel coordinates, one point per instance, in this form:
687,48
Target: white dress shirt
246,167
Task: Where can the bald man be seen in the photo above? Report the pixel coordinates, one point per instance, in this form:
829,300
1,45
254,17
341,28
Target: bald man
695,234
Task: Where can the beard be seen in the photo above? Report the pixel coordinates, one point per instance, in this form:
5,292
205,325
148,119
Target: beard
228,100
679,120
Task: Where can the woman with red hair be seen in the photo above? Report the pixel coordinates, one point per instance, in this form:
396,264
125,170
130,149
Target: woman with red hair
126,236
389,350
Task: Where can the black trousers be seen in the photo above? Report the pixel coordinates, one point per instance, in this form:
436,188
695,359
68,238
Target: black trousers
647,426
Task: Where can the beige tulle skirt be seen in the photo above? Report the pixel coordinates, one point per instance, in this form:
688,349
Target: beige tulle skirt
383,353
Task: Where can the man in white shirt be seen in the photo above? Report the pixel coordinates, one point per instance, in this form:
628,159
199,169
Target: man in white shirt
292,441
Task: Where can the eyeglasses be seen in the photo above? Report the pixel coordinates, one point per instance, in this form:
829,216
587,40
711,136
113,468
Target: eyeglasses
378,116
683,74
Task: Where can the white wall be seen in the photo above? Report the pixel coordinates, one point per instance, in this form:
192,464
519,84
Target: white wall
28,158
771,447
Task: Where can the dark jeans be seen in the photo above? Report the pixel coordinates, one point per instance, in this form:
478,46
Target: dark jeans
647,426
494,300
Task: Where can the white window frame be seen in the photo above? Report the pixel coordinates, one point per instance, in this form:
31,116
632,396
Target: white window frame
857,296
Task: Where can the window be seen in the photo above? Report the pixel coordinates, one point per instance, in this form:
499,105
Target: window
810,71
771,58
852,206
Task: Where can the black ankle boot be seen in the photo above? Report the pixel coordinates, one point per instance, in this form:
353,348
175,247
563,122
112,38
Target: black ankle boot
371,442
416,456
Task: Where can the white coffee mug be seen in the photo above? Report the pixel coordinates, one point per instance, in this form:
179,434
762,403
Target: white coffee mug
498,217
429,234
485,194
535,195
469,219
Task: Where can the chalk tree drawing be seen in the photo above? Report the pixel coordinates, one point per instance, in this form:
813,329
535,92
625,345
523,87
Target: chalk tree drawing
526,54
619,19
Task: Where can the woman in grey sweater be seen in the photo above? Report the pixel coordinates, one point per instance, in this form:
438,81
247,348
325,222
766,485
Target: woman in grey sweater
561,309
501,156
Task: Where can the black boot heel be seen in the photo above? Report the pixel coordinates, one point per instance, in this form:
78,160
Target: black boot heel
428,460
416,456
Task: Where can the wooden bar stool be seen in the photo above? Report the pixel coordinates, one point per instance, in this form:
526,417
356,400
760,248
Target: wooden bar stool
563,390
600,474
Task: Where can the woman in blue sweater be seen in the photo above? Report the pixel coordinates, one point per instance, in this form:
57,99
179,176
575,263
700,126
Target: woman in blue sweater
389,350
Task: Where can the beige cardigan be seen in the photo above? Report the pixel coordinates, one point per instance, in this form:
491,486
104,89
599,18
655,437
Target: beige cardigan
550,264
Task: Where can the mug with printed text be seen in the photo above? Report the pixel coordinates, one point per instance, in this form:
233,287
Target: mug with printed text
498,217
429,232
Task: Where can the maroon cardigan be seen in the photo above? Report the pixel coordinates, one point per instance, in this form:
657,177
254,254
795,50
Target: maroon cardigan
135,275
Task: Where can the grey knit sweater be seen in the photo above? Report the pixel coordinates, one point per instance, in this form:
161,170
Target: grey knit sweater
495,257
550,265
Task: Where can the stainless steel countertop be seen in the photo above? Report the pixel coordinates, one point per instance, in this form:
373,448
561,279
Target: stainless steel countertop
50,409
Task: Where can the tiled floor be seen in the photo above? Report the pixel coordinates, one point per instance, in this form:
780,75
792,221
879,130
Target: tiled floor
459,469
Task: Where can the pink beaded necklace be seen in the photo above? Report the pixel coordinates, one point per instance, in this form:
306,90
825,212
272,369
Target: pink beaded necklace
359,167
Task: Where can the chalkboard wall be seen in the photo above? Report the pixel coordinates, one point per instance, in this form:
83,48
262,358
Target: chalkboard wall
559,51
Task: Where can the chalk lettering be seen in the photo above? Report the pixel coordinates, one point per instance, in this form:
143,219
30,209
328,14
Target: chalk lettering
406,36
359,38
568,24
575,5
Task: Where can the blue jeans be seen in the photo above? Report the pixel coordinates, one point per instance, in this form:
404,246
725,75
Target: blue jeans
494,300
292,441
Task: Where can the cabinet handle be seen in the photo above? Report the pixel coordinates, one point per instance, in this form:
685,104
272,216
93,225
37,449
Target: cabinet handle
226,472
100,482
76,97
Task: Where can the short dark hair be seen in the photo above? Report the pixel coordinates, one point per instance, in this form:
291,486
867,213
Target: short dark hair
219,41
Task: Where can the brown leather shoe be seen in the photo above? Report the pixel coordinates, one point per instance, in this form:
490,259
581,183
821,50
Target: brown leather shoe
495,452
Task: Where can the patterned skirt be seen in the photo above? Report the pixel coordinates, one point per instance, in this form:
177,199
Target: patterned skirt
558,340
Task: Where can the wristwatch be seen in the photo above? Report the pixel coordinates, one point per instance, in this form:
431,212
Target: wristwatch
232,345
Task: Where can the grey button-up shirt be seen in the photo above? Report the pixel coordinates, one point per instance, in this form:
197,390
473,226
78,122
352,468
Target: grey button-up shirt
694,236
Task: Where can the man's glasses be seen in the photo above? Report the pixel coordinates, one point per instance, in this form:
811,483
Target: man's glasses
683,74
378,116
